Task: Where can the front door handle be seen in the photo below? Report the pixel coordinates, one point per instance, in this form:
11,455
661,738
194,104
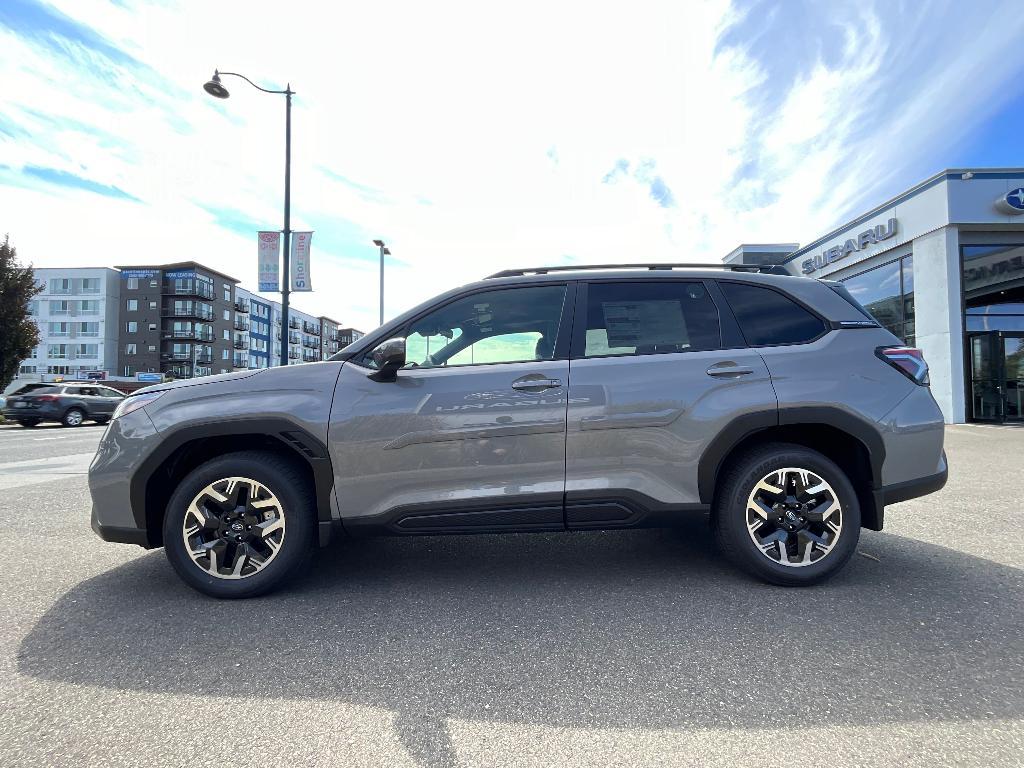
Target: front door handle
535,385
729,370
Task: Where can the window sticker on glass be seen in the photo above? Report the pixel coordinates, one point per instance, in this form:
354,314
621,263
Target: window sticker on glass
645,323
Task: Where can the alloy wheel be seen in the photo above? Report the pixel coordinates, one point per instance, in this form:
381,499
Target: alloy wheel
234,528
794,517
73,418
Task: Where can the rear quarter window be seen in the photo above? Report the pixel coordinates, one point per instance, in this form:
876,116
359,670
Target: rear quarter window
769,318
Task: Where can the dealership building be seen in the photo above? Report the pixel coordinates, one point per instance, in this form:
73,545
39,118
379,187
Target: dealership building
942,266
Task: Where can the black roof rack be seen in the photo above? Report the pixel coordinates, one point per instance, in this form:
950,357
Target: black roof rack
770,269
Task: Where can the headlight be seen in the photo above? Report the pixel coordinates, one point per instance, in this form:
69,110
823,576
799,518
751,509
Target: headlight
132,403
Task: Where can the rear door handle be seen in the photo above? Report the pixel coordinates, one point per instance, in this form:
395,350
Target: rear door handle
536,384
729,370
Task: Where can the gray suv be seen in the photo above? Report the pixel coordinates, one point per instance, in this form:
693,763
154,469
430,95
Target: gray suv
546,399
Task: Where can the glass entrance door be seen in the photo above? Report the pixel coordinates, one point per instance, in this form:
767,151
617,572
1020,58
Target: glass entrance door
997,376
1013,376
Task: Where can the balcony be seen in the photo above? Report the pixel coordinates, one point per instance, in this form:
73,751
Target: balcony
240,362
190,310
204,359
310,328
294,324
294,338
294,355
203,335
241,325
242,306
191,288
241,344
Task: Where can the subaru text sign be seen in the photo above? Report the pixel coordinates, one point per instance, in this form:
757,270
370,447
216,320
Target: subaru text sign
854,244
1012,202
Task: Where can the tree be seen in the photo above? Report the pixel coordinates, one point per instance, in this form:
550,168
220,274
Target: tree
18,333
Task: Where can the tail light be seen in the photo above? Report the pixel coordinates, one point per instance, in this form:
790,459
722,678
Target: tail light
908,361
46,398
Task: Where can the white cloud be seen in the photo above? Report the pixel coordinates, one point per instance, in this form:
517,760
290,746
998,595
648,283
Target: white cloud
481,132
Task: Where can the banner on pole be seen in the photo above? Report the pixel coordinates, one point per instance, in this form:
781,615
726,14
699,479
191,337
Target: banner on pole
300,261
269,261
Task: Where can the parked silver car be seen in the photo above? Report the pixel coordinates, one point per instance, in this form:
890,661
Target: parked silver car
541,400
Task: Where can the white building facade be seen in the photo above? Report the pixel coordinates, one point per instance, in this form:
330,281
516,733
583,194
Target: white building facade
77,315
942,266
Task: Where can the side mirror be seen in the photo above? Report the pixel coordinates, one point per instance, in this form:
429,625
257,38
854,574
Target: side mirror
388,356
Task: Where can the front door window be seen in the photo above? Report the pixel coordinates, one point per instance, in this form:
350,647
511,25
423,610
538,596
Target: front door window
514,325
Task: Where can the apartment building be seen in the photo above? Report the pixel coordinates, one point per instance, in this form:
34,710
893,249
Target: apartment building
178,320
347,335
77,317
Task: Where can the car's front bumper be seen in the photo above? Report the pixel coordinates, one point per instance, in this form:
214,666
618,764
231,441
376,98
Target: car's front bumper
125,445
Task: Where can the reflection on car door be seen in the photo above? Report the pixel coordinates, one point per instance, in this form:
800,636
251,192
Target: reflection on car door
456,448
655,374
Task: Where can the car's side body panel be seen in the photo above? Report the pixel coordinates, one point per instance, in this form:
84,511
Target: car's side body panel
640,424
445,437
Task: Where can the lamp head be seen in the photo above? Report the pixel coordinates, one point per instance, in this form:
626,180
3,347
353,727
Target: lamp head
215,88
379,243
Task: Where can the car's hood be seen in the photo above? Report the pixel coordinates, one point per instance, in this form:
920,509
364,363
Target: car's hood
200,381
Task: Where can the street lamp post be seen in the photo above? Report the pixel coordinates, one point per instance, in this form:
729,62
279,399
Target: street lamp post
383,252
215,88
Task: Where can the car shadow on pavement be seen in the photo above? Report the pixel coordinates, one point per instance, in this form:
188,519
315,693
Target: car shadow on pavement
643,629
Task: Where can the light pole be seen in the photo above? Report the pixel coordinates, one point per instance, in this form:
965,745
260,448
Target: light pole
215,88
383,252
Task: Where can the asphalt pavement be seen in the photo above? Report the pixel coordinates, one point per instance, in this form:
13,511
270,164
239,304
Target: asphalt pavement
626,649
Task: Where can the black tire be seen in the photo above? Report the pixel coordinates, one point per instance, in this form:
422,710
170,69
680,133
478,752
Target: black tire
729,515
285,480
28,422
101,420
73,417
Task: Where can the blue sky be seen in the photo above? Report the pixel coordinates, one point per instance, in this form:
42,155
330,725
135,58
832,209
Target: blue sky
475,137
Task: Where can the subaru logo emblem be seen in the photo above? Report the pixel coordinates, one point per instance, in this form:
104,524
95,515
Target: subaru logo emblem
236,526
1012,202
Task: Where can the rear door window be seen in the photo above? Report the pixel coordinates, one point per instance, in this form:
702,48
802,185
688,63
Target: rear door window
769,318
648,318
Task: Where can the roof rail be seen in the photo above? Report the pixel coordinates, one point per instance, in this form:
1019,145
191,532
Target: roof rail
771,269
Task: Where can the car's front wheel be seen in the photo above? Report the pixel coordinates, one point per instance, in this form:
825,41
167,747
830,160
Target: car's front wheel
786,514
240,525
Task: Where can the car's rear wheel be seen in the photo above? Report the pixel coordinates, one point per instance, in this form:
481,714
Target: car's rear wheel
73,417
240,525
786,514
28,422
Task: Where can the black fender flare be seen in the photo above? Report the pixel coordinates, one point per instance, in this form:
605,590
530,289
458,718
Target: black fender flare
305,446
742,427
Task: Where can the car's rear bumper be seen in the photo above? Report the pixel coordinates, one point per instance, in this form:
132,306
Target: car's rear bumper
911,489
40,414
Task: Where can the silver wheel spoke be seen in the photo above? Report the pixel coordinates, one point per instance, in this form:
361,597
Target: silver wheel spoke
270,526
